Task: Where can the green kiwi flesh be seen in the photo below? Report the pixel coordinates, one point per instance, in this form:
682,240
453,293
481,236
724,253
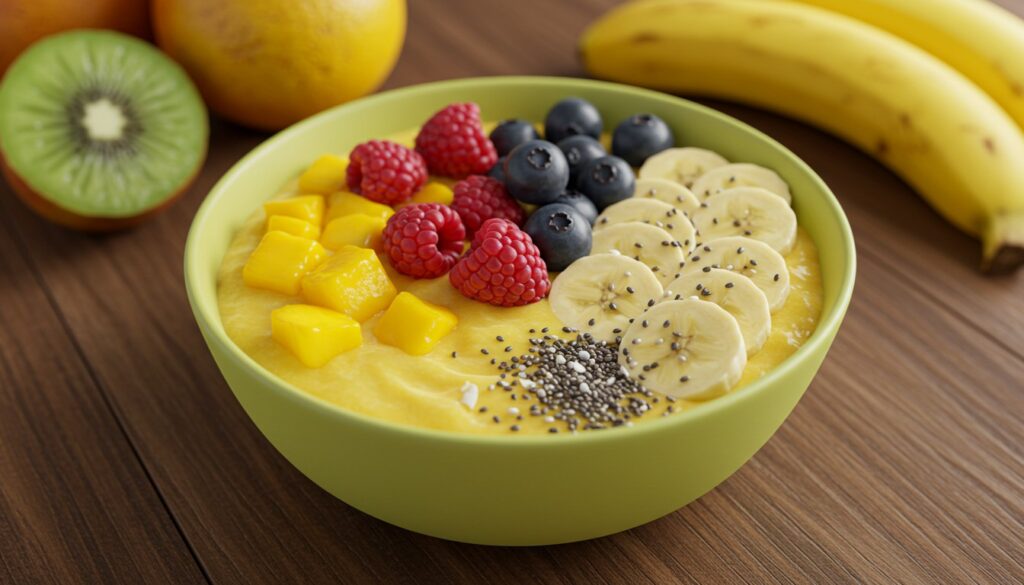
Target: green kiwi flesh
101,124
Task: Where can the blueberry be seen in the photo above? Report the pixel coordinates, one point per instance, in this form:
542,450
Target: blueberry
641,136
536,172
581,203
561,234
572,116
510,134
498,170
580,149
606,180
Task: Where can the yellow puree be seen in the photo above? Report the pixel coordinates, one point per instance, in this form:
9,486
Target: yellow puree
384,382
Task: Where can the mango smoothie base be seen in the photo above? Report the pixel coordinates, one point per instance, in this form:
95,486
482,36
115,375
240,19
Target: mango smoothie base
426,391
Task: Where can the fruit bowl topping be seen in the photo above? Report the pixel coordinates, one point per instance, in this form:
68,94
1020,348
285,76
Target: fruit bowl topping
606,180
579,149
536,172
561,234
641,136
510,134
424,240
385,172
572,116
573,384
454,144
478,198
503,267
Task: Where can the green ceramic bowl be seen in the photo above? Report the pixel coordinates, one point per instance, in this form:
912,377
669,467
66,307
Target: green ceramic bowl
512,490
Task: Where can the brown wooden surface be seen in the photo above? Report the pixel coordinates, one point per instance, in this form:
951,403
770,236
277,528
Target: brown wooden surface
125,458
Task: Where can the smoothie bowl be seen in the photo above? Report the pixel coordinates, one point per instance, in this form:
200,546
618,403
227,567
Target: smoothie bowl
543,411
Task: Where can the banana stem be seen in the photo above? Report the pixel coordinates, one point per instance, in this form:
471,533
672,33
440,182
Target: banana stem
1003,242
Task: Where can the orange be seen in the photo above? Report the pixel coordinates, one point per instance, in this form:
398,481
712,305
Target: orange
22,22
269,63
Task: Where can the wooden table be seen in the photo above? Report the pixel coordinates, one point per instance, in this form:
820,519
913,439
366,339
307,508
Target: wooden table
125,458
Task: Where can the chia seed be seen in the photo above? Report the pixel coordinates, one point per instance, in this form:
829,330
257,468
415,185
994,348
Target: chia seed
577,384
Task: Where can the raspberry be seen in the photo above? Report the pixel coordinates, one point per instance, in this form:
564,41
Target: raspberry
454,144
424,240
385,172
502,268
479,198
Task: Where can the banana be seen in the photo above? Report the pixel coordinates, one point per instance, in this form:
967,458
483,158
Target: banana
682,165
974,37
740,175
601,293
685,349
653,246
654,212
754,259
735,293
671,192
916,114
748,211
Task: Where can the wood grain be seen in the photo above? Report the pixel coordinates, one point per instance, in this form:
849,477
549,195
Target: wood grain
123,455
76,505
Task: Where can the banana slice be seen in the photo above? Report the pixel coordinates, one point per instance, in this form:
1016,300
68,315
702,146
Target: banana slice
686,349
653,246
735,293
675,194
752,258
740,175
748,211
600,293
654,212
682,165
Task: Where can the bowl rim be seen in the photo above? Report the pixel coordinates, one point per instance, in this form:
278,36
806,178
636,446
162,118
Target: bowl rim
207,317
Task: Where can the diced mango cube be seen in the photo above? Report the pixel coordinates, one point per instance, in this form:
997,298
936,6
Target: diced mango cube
414,325
280,261
353,282
305,207
344,203
325,176
433,192
293,226
357,229
314,334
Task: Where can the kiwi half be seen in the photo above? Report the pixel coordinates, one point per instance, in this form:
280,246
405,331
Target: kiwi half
99,130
